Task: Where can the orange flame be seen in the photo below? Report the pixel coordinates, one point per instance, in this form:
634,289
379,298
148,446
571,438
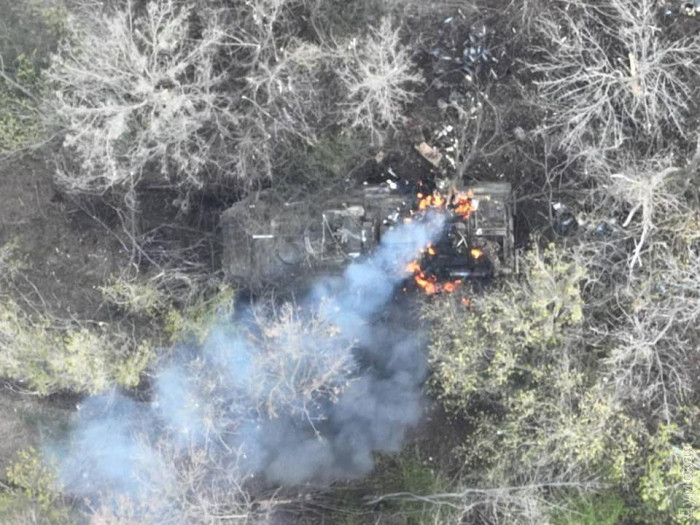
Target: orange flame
476,253
451,286
460,203
413,267
463,204
429,283
430,201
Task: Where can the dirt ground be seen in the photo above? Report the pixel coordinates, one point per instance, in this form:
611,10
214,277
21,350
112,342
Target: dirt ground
66,255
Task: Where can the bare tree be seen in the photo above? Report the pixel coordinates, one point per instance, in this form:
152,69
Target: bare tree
377,73
642,292
138,93
179,92
648,188
610,73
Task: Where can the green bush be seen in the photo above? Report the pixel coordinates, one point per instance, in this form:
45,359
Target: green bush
194,321
401,482
35,491
136,298
33,29
511,340
514,363
670,485
46,356
47,359
19,124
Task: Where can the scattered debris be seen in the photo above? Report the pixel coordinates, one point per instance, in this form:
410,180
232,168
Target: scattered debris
475,55
468,54
691,8
447,142
519,134
429,153
565,223
605,228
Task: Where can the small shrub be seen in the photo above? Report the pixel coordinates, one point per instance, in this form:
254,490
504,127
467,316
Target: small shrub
36,484
31,31
136,298
47,359
377,73
403,480
19,118
670,486
195,320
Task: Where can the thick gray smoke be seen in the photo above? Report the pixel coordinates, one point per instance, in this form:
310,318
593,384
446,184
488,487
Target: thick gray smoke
298,393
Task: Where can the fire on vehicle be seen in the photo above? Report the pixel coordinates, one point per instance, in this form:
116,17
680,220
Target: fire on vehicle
267,238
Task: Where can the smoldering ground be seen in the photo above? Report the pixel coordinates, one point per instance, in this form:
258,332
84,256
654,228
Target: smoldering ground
289,394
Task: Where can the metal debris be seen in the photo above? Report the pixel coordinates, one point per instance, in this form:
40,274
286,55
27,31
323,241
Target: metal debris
470,55
429,153
691,8
565,223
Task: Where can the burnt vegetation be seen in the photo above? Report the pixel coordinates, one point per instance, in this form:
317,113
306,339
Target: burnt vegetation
349,262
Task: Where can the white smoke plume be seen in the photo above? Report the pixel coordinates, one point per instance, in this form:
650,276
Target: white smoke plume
289,395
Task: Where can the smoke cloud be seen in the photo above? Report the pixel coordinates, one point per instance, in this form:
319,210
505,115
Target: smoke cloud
288,394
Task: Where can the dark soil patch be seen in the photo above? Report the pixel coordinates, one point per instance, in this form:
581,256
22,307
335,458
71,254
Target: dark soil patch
66,255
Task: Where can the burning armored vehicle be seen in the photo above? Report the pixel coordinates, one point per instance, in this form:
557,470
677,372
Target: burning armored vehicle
266,239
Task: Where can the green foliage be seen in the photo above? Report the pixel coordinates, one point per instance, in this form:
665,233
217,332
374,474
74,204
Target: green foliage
128,371
19,124
11,261
599,509
34,29
515,364
46,358
136,298
505,345
81,359
15,507
194,321
411,475
418,477
51,15
670,486
348,507
35,482
408,476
